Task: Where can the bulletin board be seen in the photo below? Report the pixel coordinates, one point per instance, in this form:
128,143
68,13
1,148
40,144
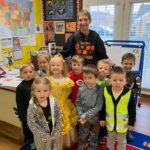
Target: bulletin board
20,19
60,20
59,9
116,49
17,18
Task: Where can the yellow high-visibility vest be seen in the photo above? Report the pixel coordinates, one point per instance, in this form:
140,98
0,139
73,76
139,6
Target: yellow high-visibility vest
117,117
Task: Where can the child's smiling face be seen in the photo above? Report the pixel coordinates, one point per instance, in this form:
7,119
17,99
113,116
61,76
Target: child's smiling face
103,69
77,67
118,81
128,64
56,66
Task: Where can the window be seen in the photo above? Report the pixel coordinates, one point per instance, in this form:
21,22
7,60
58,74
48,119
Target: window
140,30
123,20
147,28
103,28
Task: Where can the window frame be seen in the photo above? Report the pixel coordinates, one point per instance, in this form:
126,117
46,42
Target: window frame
122,14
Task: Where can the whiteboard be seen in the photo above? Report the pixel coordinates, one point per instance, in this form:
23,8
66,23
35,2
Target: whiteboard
115,53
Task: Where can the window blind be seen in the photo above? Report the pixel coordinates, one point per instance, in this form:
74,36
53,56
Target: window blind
120,13
103,20
140,30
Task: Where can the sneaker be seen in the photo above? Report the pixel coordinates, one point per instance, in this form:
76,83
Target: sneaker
129,136
101,142
32,146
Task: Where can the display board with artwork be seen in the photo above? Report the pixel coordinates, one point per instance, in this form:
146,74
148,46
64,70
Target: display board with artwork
59,9
60,20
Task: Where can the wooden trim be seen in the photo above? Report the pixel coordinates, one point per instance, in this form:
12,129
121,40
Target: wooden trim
11,131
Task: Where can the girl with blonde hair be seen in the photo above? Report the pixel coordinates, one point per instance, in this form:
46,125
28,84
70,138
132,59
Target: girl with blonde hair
61,88
44,116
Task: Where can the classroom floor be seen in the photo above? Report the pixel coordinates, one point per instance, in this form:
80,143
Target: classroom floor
143,116
141,126
8,144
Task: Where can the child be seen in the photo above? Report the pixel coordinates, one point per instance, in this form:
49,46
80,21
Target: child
23,91
76,75
128,62
104,70
119,110
89,103
43,62
44,116
133,81
61,88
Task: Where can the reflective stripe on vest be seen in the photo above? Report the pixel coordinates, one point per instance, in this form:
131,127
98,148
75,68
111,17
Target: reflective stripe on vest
121,112
119,127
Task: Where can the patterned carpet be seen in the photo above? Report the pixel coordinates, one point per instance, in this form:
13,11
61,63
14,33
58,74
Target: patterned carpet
136,144
139,139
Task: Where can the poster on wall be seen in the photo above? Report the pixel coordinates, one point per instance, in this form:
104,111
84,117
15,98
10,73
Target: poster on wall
71,26
59,9
17,51
32,40
7,56
16,18
49,33
24,41
59,27
6,43
38,28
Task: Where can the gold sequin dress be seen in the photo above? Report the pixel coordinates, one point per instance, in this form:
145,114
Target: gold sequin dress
60,89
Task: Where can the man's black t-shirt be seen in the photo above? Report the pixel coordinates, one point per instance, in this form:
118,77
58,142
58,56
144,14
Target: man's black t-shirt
90,46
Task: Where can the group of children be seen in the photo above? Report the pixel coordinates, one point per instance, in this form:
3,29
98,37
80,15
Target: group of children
57,108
